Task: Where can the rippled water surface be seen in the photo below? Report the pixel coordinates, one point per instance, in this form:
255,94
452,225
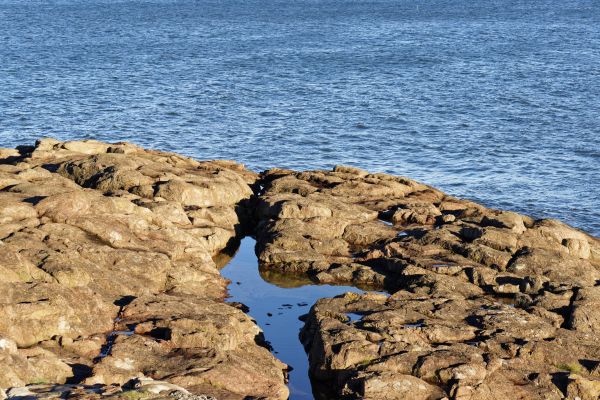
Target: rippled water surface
498,101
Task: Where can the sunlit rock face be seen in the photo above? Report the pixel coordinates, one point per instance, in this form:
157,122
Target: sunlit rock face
107,278
347,225
99,238
486,303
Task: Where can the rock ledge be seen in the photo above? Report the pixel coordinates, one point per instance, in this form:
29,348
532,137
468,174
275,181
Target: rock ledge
109,286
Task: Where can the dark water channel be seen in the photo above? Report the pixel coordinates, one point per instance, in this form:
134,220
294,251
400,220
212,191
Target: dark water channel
276,303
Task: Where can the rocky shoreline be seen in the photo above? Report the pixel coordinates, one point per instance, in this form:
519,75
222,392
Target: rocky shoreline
109,286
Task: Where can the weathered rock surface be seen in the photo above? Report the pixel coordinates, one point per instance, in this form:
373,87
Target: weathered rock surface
347,225
459,347
486,304
100,238
136,389
108,279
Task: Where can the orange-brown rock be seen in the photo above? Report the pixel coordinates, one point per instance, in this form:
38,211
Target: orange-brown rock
109,288
486,304
96,235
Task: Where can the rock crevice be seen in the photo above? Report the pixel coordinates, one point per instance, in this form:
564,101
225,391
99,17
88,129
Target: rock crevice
485,303
109,249
85,225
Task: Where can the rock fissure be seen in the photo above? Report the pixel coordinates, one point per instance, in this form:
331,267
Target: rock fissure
103,232
484,303
511,277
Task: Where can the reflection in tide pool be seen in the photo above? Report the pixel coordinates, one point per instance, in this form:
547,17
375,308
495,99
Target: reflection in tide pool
276,307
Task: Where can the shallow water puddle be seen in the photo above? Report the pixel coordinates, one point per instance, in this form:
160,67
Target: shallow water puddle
353,317
276,303
110,341
388,223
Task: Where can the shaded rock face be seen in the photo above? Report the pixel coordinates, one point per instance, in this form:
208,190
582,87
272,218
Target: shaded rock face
486,303
107,271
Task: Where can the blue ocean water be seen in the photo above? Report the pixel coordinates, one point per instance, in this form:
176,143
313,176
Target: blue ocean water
497,101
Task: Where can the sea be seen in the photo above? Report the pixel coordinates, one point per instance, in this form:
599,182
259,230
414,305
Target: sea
497,101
